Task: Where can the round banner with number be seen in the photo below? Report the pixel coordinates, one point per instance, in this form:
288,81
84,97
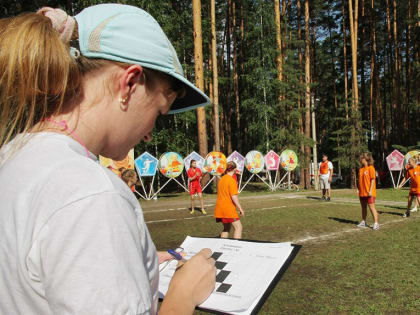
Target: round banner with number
215,163
254,161
412,154
288,160
171,164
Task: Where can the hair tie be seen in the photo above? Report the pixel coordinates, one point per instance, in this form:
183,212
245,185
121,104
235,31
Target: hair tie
61,22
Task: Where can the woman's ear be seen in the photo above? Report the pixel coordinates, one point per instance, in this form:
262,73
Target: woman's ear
128,79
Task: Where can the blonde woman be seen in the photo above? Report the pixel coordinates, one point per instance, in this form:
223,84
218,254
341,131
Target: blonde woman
367,189
73,236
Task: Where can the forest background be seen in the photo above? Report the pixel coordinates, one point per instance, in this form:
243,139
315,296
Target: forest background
353,64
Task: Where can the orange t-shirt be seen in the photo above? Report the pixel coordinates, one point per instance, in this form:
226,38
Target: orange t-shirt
225,208
414,175
366,174
323,168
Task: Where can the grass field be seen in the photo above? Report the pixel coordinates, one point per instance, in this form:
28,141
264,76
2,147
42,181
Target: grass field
339,269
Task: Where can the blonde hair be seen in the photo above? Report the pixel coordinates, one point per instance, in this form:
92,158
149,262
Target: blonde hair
368,157
38,76
37,73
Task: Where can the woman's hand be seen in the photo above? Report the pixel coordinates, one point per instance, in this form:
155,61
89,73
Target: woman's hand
165,256
241,212
191,284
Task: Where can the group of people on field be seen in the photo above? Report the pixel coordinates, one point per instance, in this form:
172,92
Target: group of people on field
366,185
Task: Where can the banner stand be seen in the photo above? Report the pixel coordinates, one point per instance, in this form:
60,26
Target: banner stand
263,180
208,183
281,180
242,188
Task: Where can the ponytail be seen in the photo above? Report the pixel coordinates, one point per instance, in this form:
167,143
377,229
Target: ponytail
37,73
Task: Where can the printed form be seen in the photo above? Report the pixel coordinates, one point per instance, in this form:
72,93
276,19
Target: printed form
244,271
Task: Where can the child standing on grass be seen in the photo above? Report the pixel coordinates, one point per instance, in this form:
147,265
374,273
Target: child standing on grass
367,189
194,177
227,202
412,174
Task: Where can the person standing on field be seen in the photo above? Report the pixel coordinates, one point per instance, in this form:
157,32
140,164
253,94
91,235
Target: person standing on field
413,174
325,177
194,176
227,202
366,189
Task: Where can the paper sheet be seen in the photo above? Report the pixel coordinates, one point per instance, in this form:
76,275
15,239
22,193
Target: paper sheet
245,270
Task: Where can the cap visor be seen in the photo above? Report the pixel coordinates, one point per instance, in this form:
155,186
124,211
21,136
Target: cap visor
193,98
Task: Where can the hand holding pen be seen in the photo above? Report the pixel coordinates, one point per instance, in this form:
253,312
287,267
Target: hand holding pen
166,257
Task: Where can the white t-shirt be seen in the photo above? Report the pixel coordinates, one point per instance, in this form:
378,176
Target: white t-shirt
72,235
330,169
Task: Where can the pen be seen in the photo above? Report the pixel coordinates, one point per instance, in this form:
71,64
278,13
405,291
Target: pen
175,253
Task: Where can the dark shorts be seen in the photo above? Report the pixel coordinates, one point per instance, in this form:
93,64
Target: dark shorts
227,220
195,188
414,194
369,200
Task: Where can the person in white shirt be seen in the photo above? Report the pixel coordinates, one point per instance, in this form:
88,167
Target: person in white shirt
73,237
325,177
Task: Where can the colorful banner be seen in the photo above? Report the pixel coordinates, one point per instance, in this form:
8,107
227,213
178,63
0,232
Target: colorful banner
171,164
116,166
288,160
215,163
254,161
194,156
272,161
146,164
238,159
395,161
412,154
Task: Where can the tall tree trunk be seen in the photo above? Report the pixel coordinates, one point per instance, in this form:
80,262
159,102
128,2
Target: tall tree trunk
346,70
279,43
407,125
236,79
307,96
300,101
399,104
228,107
353,17
391,67
199,76
215,77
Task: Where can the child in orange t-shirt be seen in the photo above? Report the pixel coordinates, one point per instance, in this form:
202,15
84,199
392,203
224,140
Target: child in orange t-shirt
412,174
194,176
227,202
367,189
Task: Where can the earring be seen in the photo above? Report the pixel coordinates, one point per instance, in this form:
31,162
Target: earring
123,104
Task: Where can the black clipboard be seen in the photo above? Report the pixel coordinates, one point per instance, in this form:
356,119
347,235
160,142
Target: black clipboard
270,287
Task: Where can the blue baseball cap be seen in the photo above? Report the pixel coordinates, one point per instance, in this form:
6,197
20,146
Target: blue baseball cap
131,35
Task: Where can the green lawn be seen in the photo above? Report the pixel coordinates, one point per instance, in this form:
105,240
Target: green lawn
339,269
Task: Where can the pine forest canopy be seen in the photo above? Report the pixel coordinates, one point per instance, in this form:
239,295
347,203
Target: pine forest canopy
355,63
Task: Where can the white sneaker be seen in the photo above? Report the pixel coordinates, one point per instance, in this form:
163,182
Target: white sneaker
414,209
362,224
376,226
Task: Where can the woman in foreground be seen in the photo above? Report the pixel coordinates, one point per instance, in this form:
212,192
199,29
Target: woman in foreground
73,237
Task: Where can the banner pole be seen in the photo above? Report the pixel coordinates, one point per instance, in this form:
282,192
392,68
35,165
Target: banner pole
208,183
161,187
151,187
246,183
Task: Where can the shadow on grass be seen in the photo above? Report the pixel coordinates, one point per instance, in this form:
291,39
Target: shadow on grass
343,220
392,213
315,198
